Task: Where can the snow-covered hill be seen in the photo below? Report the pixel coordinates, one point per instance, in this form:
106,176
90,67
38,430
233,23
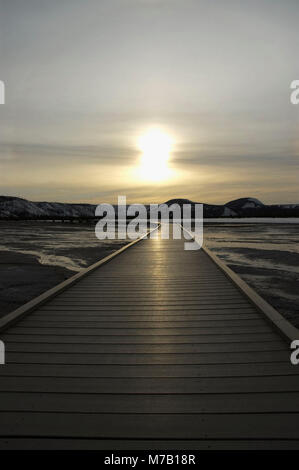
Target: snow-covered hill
244,207
18,208
14,207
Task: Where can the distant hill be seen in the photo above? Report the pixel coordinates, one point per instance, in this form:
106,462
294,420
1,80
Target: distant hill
244,207
18,208
15,207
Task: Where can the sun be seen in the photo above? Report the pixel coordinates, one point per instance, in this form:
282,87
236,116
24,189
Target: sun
156,147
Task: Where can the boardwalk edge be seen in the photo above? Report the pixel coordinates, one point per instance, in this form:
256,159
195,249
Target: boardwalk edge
285,328
20,312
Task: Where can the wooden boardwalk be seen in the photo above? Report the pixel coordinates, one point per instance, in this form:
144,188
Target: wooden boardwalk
156,349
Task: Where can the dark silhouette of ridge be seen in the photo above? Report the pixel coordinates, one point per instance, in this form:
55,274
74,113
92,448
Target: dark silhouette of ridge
17,208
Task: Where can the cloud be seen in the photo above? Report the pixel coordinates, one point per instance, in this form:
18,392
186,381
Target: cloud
37,152
84,79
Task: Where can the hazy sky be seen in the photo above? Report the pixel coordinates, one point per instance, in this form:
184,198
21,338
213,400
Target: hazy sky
86,78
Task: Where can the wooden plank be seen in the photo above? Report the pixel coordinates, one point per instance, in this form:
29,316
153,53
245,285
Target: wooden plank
150,303
200,313
227,317
151,370
150,404
166,296
142,339
215,330
87,323
149,385
144,290
174,358
167,426
190,348
71,444
157,299
157,308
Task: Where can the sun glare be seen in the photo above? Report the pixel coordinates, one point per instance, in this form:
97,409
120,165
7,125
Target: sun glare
155,146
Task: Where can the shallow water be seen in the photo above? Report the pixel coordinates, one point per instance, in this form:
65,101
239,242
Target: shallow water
71,246
264,255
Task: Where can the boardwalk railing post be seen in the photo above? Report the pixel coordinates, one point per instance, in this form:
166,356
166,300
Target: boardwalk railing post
2,352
